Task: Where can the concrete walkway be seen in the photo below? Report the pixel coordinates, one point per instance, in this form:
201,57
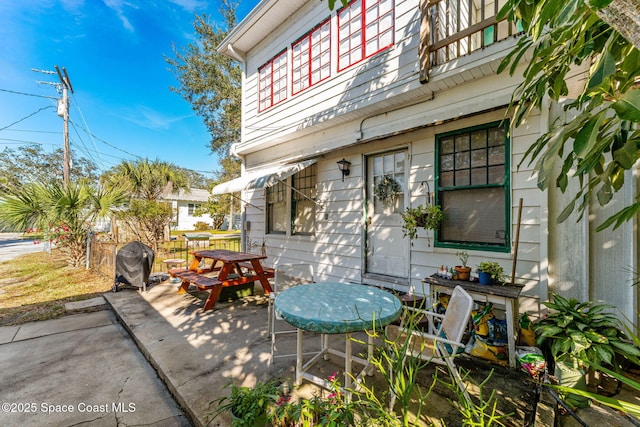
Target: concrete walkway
81,369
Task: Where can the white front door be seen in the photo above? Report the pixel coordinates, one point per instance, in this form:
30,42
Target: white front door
387,252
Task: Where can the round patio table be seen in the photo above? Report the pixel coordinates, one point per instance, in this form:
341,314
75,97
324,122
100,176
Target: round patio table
336,308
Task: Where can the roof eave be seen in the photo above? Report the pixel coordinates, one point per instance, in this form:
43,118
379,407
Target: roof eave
247,33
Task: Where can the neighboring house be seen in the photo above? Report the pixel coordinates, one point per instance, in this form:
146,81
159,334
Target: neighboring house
406,88
184,205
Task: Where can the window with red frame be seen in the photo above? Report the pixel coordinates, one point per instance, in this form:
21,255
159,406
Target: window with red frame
365,27
311,57
272,84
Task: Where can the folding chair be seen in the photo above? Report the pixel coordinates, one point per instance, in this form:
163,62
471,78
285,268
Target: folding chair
286,276
441,344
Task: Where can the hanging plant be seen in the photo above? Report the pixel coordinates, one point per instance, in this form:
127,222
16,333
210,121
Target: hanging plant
428,217
386,190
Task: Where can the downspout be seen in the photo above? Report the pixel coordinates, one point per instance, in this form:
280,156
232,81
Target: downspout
233,151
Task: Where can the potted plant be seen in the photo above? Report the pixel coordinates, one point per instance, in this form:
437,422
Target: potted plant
428,217
387,190
333,409
248,406
463,270
581,338
490,272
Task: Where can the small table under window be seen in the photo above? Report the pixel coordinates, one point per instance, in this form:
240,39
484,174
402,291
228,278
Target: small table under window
504,295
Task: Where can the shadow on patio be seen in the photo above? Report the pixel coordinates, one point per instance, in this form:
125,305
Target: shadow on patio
197,353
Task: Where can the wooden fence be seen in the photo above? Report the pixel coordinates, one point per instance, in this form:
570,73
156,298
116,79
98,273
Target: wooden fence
102,255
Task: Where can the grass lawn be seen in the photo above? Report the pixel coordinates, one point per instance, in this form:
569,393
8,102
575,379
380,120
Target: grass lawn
36,287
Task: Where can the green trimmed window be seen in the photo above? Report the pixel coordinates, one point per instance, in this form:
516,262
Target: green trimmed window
277,209
472,187
303,198
291,204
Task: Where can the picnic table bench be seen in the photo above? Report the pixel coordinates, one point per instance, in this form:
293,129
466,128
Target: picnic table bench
228,265
200,281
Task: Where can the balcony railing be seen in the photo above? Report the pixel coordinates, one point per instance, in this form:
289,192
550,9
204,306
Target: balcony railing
451,29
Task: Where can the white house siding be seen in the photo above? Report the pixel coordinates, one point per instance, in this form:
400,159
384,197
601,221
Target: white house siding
380,105
331,101
180,204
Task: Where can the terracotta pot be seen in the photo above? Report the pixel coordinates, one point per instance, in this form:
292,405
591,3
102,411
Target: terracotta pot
463,272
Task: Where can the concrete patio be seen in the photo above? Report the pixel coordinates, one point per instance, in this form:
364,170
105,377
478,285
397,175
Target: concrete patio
197,353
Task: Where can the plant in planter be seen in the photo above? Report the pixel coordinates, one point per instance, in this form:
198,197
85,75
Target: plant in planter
248,406
387,190
581,337
428,217
490,272
333,410
463,270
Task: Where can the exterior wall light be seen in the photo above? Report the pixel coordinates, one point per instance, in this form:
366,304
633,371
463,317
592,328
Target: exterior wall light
343,165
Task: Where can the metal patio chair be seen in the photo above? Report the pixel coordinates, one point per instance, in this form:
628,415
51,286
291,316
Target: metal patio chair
444,337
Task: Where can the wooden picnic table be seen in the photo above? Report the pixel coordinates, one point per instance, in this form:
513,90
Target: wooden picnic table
233,268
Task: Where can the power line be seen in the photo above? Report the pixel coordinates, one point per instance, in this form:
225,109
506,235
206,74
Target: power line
22,142
108,144
84,121
25,118
33,131
28,94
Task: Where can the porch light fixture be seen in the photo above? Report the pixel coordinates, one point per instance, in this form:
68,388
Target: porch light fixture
343,165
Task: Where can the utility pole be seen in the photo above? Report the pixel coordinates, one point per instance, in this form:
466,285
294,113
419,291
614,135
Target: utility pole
63,87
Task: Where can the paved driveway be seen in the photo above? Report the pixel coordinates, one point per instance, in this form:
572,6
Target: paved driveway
11,246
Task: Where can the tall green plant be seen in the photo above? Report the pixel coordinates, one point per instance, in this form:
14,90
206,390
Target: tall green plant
400,372
65,212
630,408
147,183
586,332
598,142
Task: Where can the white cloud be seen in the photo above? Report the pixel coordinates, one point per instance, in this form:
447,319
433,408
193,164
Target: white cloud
118,7
190,5
151,119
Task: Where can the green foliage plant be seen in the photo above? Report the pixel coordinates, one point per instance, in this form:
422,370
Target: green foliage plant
247,404
332,410
400,373
65,213
584,332
494,269
428,217
598,141
629,407
483,414
201,226
463,256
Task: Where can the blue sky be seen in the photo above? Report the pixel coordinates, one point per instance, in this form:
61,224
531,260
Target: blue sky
114,53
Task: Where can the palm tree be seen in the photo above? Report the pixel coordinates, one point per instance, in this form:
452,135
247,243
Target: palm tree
147,182
66,212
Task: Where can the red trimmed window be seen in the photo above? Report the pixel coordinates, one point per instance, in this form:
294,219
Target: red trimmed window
272,86
365,27
311,57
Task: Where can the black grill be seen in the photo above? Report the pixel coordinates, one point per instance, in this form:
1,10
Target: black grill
133,265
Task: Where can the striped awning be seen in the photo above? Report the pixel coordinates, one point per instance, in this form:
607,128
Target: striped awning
262,178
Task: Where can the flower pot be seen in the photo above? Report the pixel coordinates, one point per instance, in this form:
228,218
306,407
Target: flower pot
573,377
484,278
463,272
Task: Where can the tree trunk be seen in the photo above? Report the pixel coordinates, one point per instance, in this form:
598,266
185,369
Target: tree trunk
624,17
